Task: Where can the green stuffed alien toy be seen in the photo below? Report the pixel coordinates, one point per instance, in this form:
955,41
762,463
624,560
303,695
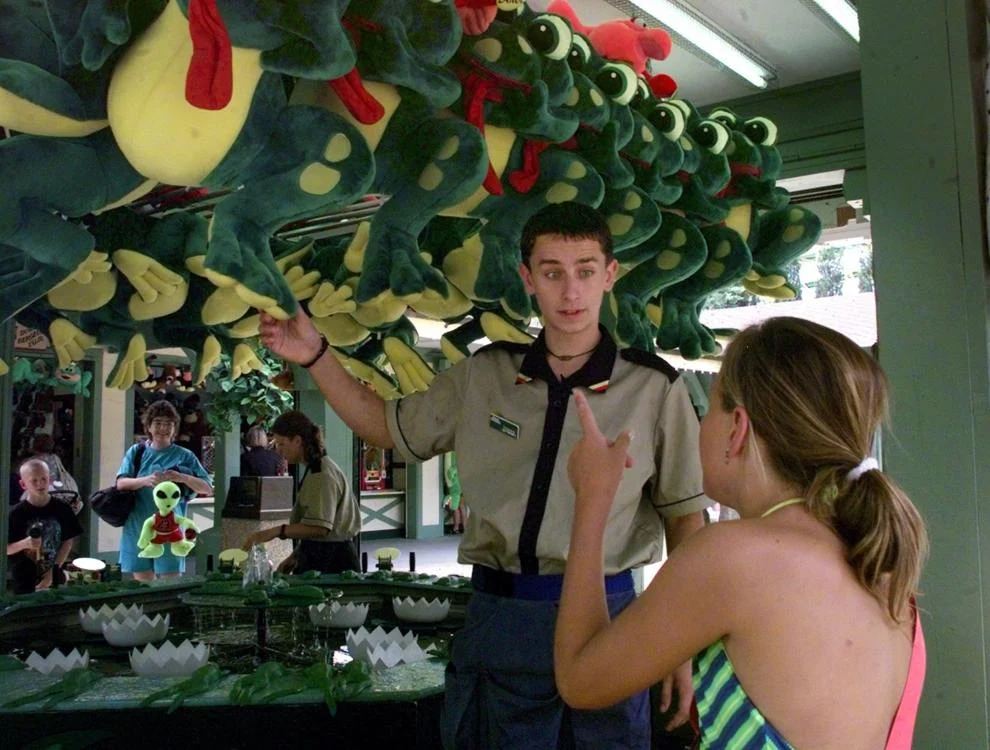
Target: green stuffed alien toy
167,526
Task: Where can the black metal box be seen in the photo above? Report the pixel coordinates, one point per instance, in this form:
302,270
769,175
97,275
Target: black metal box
258,497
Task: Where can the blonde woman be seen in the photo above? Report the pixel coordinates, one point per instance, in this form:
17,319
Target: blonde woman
801,615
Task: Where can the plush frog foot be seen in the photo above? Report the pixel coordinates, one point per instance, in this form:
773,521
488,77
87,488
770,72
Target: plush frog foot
370,373
624,316
633,217
681,329
131,366
393,263
92,285
777,238
727,261
672,254
69,341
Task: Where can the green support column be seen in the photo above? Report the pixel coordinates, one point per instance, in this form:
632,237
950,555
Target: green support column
6,419
925,120
226,464
337,436
424,499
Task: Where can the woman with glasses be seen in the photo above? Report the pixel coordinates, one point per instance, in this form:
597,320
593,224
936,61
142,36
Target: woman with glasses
145,464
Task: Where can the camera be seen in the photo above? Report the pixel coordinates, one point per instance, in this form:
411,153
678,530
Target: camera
35,529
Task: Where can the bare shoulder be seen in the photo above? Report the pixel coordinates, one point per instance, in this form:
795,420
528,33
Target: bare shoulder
746,555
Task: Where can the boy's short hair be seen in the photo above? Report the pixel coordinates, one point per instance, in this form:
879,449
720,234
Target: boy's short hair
570,219
31,465
159,410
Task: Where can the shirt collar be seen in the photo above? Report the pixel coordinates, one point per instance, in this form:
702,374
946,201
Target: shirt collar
593,375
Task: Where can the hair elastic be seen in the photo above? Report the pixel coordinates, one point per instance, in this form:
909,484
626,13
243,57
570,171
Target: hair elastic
867,464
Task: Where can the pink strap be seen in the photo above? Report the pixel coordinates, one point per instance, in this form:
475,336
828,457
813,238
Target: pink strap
902,728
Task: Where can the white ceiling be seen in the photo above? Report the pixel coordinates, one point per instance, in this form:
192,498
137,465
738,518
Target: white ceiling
793,38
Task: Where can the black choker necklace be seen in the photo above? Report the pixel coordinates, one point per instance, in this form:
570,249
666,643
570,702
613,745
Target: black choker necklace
569,357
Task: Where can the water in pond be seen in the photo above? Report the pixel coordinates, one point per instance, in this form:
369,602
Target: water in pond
233,634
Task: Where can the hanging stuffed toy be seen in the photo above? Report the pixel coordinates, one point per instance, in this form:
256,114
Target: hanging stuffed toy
167,526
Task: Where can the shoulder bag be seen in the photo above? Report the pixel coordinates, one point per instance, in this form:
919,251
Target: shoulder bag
113,505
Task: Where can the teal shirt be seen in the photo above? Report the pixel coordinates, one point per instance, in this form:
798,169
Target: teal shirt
173,457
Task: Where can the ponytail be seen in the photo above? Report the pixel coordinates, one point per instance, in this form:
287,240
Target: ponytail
885,538
293,423
817,400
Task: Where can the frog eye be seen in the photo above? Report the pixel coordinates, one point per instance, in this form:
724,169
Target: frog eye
712,135
551,36
643,92
760,131
618,82
669,120
579,54
724,116
683,106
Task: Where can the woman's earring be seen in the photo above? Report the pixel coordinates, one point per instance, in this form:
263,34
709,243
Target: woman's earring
726,456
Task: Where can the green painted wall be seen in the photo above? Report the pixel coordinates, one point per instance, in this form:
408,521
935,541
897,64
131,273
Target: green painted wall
925,123
6,425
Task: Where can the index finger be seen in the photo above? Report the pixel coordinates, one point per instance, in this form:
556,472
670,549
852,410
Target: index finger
588,424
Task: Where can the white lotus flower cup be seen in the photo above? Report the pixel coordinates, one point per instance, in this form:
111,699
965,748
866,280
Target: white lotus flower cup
56,663
136,632
383,649
337,615
394,654
169,660
92,619
420,610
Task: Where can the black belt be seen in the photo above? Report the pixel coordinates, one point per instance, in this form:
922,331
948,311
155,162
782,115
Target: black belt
536,587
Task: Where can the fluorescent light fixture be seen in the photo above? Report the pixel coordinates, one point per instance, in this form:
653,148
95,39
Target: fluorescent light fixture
843,14
707,38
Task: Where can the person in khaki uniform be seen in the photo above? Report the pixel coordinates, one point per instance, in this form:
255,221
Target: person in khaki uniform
508,413
326,517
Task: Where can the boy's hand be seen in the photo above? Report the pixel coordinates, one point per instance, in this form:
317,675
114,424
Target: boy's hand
596,463
45,582
295,339
31,546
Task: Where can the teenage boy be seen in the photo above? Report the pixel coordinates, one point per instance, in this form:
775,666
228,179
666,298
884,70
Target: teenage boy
44,529
507,411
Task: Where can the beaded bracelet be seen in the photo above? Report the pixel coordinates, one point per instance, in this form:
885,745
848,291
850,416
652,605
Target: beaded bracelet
323,350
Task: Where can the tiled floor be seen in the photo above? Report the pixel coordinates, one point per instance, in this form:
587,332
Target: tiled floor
437,556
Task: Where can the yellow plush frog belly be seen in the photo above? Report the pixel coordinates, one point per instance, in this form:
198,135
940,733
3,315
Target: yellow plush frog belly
161,134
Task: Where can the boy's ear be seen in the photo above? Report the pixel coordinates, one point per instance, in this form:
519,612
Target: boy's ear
23,485
611,274
527,277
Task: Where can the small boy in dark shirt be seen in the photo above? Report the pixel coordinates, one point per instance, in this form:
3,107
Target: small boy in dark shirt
43,529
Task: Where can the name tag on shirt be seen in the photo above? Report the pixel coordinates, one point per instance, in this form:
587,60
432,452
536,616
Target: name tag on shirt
503,425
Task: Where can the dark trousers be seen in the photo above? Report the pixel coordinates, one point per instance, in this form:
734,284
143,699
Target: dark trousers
500,690
326,557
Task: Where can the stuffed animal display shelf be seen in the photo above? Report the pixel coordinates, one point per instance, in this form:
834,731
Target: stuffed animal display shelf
166,154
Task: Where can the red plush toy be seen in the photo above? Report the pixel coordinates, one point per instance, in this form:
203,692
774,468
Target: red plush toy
625,40
476,15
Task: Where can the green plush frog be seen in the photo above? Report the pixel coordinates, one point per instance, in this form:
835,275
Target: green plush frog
183,116
775,232
504,73
426,161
